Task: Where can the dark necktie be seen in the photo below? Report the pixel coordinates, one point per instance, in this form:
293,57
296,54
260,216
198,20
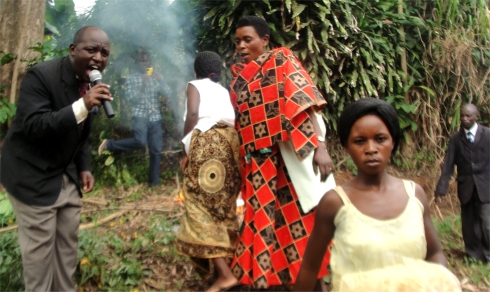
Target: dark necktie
469,135
83,88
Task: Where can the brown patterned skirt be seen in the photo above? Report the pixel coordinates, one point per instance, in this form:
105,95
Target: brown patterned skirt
210,188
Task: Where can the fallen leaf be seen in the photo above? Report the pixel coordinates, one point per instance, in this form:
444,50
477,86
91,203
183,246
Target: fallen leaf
188,270
174,271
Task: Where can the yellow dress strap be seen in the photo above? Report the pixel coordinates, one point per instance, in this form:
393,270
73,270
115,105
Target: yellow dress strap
409,188
342,195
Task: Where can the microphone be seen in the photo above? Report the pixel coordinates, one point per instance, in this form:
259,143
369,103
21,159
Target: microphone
96,78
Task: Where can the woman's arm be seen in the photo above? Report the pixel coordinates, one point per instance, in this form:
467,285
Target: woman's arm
320,237
321,158
434,248
193,101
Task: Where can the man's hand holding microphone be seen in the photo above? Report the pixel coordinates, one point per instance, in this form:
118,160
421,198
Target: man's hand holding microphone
98,94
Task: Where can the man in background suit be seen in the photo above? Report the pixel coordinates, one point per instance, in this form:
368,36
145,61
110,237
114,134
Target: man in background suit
469,150
46,159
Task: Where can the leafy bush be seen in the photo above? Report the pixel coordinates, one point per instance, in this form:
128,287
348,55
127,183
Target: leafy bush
112,260
46,53
7,215
7,109
427,58
11,278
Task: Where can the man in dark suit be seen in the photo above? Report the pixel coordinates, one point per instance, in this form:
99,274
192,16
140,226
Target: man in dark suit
46,159
469,150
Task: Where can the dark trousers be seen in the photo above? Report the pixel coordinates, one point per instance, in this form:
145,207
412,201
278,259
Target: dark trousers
475,220
145,132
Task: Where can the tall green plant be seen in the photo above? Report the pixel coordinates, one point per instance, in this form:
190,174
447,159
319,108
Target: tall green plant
354,49
11,277
452,56
458,56
350,48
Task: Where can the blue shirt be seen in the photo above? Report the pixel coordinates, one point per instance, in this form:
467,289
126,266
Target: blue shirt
145,103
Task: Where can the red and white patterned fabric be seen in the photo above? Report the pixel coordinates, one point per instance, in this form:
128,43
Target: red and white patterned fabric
271,95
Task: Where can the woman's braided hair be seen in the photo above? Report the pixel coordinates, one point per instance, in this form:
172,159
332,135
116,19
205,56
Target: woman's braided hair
208,65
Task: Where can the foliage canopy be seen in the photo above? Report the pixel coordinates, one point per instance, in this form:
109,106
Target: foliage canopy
427,58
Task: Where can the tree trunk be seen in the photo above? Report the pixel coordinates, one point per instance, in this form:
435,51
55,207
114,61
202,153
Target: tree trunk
21,26
404,54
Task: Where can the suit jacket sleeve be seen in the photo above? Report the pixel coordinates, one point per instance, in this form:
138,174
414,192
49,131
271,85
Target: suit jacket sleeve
40,122
83,159
448,167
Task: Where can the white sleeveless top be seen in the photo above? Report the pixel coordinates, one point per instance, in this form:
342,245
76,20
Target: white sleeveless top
214,107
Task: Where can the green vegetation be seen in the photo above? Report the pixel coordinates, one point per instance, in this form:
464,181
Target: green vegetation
113,259
136,252
10,263
132,250
6,211
427,58
7,109
474,276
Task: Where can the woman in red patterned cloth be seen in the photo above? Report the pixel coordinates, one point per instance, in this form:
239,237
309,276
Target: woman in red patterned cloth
275,102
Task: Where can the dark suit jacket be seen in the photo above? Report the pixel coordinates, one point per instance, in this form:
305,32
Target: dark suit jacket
473,165
44,140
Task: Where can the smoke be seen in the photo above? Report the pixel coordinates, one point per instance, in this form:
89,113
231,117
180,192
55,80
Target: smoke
165,27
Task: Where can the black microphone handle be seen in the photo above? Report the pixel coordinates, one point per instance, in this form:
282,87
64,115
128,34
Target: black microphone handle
109,112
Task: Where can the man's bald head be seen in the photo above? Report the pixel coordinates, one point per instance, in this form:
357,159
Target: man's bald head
89,51
469,115
471,107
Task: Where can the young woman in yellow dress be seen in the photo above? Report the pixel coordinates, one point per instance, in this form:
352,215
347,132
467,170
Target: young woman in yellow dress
384,239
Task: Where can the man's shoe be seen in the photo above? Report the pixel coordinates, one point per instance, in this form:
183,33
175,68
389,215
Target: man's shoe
102,147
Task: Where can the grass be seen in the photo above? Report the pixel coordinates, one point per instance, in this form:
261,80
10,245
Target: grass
474,276
134,251
126,253
131,252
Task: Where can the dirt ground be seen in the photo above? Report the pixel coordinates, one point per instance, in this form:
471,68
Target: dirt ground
164,273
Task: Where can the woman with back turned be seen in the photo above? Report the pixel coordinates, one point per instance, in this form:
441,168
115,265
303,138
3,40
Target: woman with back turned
380,224
211,175
275,102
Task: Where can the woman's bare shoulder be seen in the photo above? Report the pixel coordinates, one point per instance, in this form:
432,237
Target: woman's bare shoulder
330,204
